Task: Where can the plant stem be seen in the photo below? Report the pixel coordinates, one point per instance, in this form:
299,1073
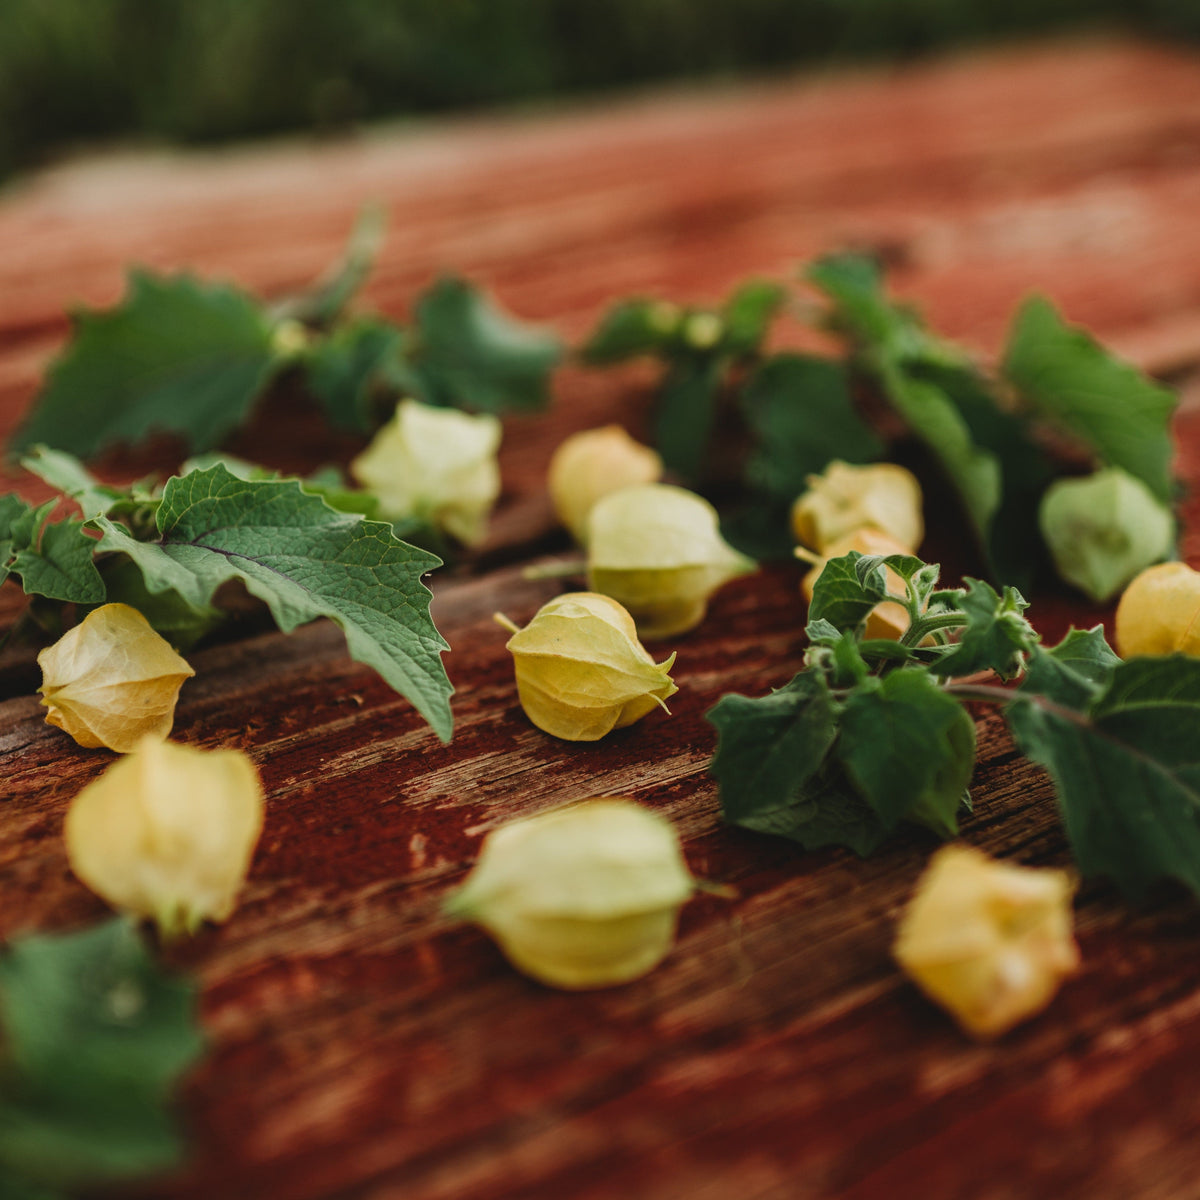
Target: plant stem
917,631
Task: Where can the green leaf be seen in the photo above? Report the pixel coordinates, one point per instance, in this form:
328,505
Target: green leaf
470,354
843,598
885,330
60,567
305,561
68,475
933,417
345,371
775,773
769,747
1074,672
632,328
1127,774
801,415
747,316
13,510
996,636
687,409
909,749
182,623
96,1038
176,356
1025,471
1068,378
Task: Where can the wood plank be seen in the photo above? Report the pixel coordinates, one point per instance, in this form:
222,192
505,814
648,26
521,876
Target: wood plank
363,1046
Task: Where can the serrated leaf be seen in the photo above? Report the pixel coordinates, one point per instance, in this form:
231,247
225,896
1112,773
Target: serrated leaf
470,354
686,412
305,561
1068,378
1074,672
12,510
842,597
61,567
996,637
96,1038
176,356
1127,776
769,747
801,415
630,329
909,748
747,315
344,370
68,475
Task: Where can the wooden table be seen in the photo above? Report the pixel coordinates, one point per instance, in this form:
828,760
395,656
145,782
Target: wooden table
364,1047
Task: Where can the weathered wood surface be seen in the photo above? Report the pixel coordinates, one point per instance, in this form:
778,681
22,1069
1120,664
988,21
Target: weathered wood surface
362,1046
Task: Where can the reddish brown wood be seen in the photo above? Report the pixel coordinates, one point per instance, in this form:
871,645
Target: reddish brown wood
364,1047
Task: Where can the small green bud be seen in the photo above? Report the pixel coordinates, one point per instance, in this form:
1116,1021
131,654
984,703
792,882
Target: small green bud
703,330
1103,529
584,896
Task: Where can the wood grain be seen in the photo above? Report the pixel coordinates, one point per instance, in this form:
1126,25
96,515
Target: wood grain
364,1047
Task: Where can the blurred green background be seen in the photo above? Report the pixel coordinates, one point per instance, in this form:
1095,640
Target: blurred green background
74,71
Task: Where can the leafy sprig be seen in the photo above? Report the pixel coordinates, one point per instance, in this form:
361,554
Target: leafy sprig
167,553
194,359
871,734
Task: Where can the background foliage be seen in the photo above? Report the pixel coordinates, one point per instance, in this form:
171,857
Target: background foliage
204,70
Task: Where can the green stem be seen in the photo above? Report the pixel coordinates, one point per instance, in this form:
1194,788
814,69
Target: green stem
918,630
999,695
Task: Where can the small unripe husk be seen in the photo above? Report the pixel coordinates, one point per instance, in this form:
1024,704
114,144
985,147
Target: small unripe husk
112,680
168,832
1159,612
988,941
435,465
656,549
887,619
1103,529
585,896
581,671
590,465
845,498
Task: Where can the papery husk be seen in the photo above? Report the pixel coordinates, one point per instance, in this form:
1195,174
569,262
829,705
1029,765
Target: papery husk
435,465
581,671
844,498
585,896
988,941
167,833
111,680
588,466
657,550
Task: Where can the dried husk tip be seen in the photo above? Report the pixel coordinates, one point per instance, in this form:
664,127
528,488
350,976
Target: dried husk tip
657,550
988,941
581,671
167,833
584,896
112,680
